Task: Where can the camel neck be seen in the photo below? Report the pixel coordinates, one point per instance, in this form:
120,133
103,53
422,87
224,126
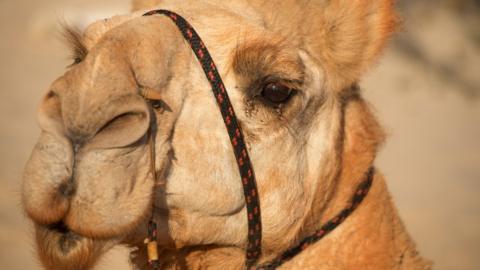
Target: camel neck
351,246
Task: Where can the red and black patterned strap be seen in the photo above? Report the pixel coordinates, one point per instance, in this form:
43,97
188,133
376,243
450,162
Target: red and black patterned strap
234,131
361,192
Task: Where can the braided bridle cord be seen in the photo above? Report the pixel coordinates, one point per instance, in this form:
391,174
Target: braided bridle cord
234,131
359,195
247,174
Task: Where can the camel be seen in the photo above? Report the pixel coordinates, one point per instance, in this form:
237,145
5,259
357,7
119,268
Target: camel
292,70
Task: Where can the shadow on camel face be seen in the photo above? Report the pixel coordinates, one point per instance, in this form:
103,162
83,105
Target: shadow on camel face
88,184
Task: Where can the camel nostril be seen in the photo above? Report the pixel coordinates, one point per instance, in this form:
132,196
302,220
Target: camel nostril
67,189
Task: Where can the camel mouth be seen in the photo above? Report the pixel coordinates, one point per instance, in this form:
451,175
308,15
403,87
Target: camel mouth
59,227
66,238
61,248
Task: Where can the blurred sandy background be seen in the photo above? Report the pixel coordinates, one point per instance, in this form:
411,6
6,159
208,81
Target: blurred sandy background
426,91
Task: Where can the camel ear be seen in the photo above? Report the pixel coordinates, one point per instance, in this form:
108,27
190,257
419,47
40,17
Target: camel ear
347,36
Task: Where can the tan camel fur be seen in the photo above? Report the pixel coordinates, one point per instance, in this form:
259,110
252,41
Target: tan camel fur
88,187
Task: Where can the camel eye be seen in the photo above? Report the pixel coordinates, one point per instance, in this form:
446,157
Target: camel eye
156,103
276,93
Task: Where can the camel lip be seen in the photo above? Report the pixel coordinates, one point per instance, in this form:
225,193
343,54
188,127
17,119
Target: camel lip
67,239
65,233
59,227
63,230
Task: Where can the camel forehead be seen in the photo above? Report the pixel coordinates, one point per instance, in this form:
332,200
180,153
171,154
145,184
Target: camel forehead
222,21
97,30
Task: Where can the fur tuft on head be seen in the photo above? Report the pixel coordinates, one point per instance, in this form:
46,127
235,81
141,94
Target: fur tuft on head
72,37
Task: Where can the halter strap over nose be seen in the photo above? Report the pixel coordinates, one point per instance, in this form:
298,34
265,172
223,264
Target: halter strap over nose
234,131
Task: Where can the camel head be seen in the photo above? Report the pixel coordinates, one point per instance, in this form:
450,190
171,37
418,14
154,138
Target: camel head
290,69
